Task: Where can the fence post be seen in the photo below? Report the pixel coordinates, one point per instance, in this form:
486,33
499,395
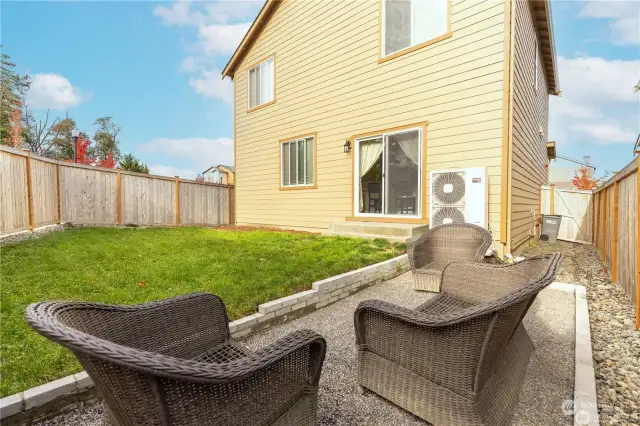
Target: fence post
29,191
614,237
228,204
604,227
593,218
552,199
119,196
58,191
177,200
638,245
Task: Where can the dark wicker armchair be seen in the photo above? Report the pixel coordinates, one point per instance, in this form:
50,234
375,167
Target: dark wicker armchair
461,357
172,362
432,252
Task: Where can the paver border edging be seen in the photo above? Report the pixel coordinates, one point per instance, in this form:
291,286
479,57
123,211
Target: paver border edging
323,293
584,406
585,400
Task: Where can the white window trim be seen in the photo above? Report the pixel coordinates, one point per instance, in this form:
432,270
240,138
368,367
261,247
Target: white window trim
313,161
383,29
273,83
356,178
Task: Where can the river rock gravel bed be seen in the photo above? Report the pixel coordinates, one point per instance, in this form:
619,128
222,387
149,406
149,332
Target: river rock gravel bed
615,341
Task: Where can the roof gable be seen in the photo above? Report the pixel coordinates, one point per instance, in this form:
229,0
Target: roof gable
250,37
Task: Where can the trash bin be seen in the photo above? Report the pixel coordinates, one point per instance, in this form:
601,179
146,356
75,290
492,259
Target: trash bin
550,227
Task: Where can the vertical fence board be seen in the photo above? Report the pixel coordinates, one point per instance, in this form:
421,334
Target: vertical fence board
147,201
64,192
88,195
618,237
13,193
44,184
627,235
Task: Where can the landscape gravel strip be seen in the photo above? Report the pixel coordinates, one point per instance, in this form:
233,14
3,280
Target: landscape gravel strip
615,341
549,378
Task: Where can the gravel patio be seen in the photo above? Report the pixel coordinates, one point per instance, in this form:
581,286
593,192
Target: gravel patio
550,323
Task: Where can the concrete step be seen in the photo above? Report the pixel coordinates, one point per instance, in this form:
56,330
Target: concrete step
367,236
392,231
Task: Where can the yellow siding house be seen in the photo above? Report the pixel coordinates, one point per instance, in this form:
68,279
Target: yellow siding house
343,108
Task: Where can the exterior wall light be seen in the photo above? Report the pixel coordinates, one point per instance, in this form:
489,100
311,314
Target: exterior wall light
347,146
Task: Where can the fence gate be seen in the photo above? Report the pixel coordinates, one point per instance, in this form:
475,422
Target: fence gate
575,208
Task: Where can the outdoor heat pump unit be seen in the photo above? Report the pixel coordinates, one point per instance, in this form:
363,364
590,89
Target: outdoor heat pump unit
459,195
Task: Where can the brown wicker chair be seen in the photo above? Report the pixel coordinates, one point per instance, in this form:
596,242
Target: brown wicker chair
432,252
172,362
461,357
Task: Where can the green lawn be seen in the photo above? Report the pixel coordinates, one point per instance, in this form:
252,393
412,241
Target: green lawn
127,266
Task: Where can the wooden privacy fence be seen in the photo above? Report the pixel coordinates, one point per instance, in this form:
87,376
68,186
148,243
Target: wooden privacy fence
37,191
575,208
616,228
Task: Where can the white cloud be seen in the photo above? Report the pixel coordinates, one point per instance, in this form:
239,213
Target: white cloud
623,17
220,26
162,170
210,85
221,39
53,91
610,132
190,64
182,13
597,102
179,14
199,153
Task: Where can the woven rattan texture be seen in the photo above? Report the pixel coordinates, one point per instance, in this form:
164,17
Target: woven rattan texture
461,357
172,362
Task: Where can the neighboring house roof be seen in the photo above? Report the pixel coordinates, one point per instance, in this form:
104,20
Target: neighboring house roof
542,18
636,147
220,166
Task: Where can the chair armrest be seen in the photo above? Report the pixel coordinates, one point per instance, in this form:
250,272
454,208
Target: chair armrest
419,253
443,349
483,283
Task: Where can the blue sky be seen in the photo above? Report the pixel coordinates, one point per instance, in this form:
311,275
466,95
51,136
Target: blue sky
155,68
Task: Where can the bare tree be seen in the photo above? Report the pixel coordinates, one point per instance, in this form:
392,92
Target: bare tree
37,134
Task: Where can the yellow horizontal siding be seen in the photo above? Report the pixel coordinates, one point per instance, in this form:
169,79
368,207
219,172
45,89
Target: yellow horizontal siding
328,81
530,110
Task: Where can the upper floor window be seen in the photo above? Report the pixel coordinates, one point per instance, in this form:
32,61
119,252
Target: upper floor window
408,23
261,87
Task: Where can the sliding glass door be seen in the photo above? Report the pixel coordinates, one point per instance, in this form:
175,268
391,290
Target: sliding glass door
388,173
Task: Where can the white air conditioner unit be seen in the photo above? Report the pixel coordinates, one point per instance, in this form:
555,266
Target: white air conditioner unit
458,196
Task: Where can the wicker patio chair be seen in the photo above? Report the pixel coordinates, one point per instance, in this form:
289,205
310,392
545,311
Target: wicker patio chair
172,362
461,357
432,252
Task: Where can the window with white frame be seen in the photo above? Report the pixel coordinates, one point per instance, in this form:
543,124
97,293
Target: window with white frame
297,166
407,23
261,83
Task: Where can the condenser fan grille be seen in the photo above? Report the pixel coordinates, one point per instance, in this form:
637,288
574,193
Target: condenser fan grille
448,188
445,215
